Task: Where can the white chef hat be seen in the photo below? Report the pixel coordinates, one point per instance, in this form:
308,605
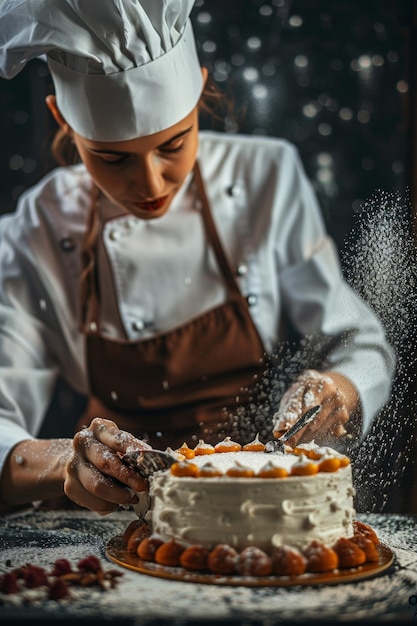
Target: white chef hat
121,68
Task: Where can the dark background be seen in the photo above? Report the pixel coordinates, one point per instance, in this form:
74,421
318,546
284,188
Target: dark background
333,77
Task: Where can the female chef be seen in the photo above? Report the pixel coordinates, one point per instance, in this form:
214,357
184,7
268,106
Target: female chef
157,275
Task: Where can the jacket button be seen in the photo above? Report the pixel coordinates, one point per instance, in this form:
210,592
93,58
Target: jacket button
234,190
115,235
67,244
252,299
242,269
138,325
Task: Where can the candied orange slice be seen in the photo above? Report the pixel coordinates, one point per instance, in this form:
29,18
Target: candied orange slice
344,460
254,446
184,468
187,452
203,448
240,471
227,445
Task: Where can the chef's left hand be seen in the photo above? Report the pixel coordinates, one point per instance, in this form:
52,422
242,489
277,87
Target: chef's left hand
337,397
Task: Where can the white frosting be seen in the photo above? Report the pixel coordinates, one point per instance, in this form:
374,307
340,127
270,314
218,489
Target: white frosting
265,512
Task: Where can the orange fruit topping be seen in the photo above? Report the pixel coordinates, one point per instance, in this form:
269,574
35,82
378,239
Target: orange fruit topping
367,545
253,562
169,553
360,528
209,470
227,445
240,471
142,532
147,548
184,468
133,525
349,553
310,454
329,464
303,467
203,448
194,558
272,471
313,454
287,561
254,446
186,451
344,460
222,559
320,558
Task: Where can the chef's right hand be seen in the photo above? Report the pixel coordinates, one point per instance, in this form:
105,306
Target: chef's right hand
95,477
339,404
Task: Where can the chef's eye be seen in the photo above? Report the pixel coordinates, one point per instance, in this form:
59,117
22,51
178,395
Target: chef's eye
173,148
114,159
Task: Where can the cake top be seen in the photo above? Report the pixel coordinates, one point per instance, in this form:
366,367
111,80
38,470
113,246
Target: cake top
255,459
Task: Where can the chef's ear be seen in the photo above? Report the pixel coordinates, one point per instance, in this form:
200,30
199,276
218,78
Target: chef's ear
204,72
52,106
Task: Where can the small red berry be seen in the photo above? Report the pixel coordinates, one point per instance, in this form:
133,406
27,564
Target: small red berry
89,564
35,576
58,590
8,583
61,566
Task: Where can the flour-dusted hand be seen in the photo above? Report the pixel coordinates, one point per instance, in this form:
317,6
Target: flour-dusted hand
337,397
96,478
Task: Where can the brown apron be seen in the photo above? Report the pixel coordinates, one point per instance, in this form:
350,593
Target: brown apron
182,385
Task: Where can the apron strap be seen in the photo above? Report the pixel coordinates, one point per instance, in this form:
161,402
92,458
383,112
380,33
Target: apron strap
89,305
214,239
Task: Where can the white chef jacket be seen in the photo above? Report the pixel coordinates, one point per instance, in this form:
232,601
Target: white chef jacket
162,273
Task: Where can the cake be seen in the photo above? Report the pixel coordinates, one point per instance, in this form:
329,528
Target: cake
239,510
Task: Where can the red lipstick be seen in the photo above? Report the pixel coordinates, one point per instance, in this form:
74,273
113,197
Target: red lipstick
152,205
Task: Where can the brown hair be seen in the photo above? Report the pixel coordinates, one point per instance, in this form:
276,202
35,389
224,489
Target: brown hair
214,104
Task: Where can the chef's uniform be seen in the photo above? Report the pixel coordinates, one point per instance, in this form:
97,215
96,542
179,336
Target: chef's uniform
155,278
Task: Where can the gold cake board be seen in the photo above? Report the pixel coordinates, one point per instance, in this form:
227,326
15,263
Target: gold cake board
116,552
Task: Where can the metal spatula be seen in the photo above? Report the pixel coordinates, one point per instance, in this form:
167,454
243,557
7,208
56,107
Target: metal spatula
277,445
147,462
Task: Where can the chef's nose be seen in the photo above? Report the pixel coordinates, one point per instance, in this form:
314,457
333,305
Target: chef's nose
149,177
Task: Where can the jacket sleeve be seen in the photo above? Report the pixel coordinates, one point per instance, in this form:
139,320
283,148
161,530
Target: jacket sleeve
320,303
34,330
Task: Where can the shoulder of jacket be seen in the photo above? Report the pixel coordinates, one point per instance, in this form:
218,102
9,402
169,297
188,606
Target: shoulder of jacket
256,159
245,150
246,143
59,198
58,187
